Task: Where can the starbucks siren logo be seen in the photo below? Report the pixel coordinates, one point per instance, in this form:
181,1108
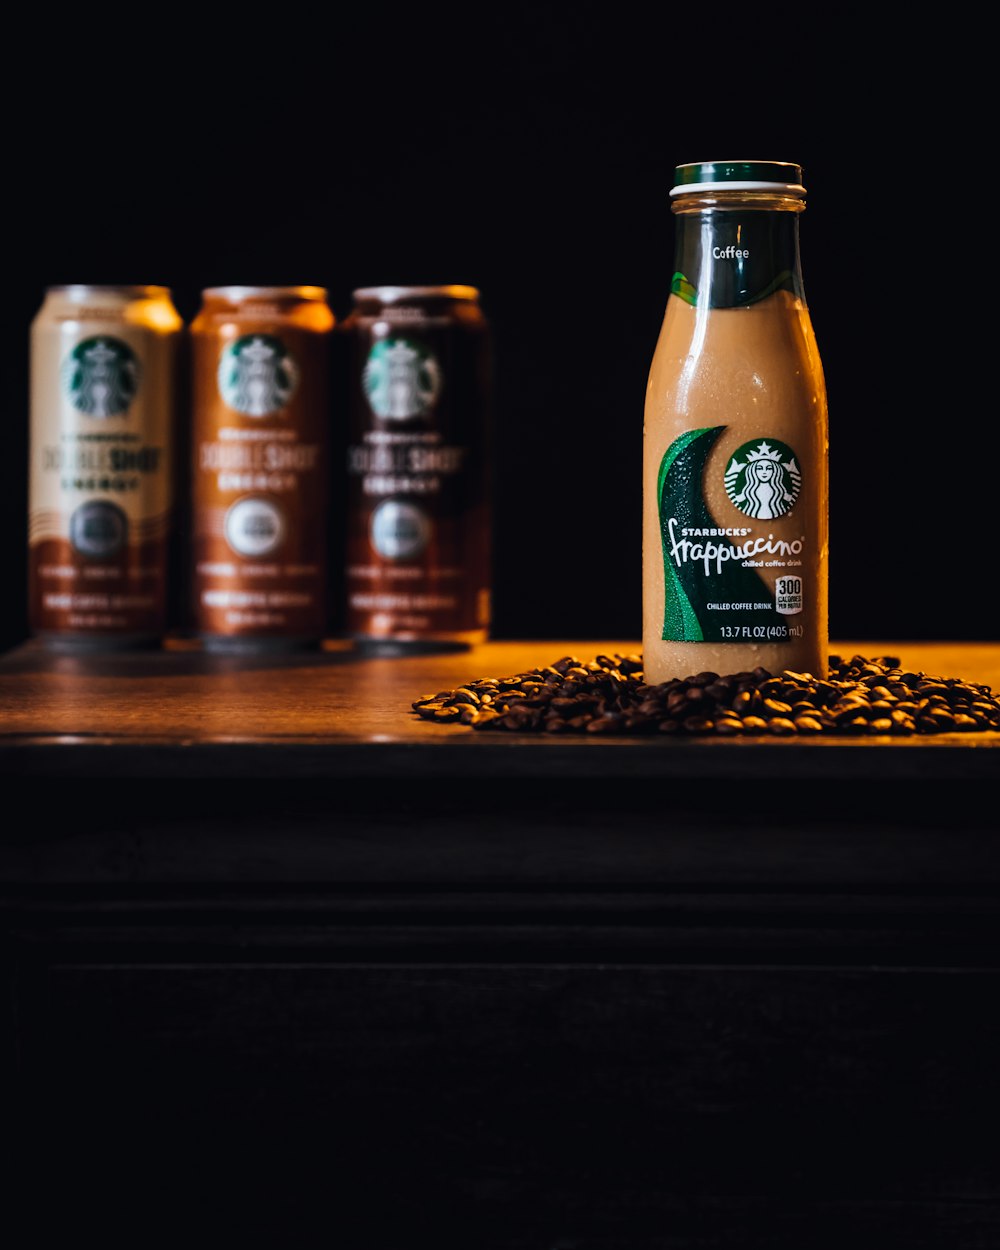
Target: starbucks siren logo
763,480
401,379
257,375
101,377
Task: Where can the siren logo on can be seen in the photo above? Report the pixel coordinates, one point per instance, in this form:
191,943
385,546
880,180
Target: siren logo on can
402,379
257,375
101,376
763,479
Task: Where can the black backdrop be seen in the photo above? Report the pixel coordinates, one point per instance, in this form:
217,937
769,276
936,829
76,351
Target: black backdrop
528,151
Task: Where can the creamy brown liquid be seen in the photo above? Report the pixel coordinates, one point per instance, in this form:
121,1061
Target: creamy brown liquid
755,370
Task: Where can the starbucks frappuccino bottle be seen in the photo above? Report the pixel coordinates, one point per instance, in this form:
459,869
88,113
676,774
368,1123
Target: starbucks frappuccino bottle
735,437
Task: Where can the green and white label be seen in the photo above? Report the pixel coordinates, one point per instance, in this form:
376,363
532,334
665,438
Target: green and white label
101,376
402,379
257,375
735,258
712,589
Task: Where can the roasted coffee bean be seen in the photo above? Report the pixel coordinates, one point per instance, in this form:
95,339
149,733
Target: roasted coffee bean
775,708
607,695
567,662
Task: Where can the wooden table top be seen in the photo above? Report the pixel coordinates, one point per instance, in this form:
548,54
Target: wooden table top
183,712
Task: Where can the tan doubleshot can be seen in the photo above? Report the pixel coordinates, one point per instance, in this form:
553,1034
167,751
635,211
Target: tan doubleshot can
101,488
260,365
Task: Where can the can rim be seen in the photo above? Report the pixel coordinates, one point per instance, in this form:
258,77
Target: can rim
80,290
395,294
265,292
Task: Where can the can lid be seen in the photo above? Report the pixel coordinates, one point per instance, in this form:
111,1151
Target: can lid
81,290
265,292
397,294
701,176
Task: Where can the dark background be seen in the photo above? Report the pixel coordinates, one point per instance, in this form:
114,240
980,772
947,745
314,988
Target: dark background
529,151
609,1008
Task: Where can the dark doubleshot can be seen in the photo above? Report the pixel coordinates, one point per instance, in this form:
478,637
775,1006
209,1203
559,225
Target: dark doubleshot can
418,508
104,365
259,491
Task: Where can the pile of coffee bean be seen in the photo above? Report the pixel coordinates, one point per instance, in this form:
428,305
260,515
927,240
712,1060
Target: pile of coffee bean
607,695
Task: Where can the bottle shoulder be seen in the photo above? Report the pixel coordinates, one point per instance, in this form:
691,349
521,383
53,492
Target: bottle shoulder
719,360
772,329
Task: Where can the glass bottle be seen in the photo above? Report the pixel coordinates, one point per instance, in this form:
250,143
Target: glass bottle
735,487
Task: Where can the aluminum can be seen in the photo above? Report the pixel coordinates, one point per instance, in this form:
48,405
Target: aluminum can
104,369
418,521
260,469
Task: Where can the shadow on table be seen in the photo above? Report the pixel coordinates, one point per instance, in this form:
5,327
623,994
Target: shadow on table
183,657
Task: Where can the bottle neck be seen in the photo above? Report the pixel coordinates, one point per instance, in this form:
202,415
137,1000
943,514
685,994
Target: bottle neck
730,255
